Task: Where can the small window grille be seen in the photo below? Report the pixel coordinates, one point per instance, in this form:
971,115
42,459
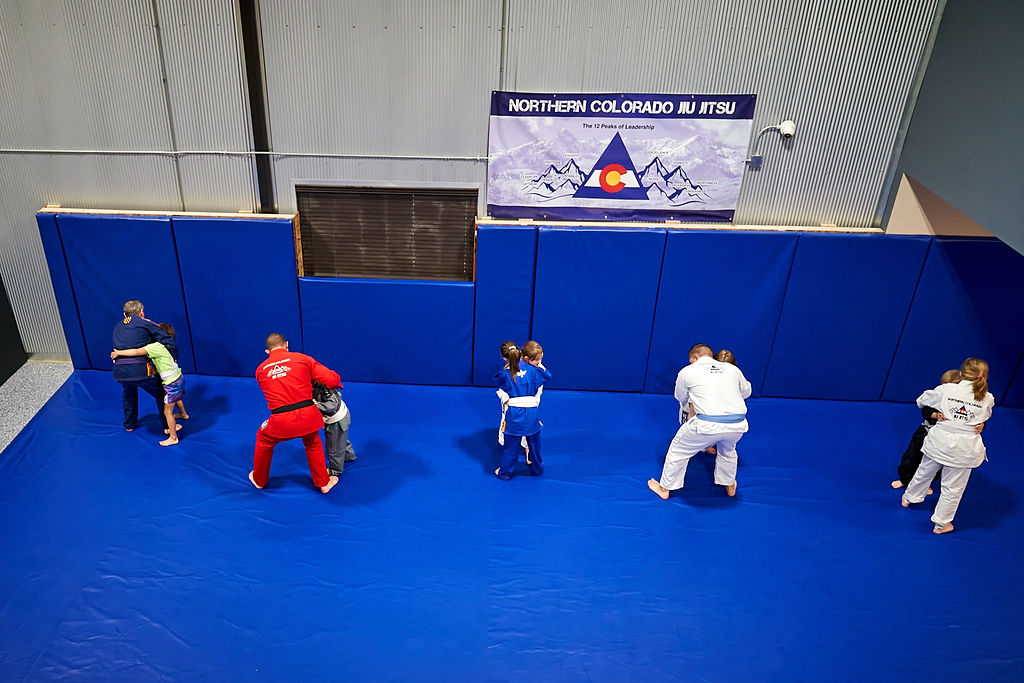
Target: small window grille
392,233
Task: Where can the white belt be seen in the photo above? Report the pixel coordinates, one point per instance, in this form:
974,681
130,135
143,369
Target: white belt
338,416
524,402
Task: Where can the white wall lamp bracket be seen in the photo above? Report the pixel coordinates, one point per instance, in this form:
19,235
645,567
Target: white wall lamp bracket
787,129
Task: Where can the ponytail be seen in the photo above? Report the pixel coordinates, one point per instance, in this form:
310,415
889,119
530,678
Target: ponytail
975,371
511,353
514,354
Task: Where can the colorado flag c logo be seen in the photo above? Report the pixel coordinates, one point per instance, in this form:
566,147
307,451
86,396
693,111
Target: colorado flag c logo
613,176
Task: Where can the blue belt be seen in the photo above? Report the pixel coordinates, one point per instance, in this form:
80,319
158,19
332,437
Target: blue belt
724,419
130,360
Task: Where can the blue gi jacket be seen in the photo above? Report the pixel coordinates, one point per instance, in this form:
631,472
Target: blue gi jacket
522,421
134,332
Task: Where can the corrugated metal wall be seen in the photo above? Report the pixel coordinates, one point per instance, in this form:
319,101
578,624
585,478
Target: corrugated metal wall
373,80
397,91
86,77
843,71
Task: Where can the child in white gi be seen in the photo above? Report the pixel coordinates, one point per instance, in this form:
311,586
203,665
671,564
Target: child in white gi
717,391
953,445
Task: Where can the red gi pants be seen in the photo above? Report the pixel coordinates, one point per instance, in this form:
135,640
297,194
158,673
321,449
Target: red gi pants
304,423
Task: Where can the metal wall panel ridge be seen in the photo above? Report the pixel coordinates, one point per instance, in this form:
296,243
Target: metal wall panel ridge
93,69
387,77
208,102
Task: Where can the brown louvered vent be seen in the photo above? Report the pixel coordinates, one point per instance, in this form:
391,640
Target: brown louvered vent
393,233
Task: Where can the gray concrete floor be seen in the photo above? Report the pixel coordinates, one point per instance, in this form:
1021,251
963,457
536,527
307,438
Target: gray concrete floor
26,392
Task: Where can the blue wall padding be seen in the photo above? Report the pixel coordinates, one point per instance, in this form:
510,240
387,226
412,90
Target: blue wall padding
845,306
968,304
240,283
1015,394
66,306
594,301
402,331
723,289
114,258
505,259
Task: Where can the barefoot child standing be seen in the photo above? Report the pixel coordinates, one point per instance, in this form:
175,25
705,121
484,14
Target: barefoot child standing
522,384
953,445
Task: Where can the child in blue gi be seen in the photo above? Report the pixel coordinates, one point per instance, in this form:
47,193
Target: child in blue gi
503,399
521,383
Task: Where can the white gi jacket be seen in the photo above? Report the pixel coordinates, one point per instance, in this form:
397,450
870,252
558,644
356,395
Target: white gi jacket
714,388
952,442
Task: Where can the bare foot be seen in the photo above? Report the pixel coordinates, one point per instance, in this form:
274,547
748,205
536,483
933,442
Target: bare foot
131,429
711,450
730,490
169,441
330,484
655,485
254,481
903,501
930,492
180,416
177,428
896,484
942,529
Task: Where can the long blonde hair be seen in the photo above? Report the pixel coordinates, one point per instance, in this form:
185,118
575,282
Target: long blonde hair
975,371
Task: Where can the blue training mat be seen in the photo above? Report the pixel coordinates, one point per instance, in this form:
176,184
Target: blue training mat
736,309
505,259
594,301
968,304
1015,394
125,561
240,285
66,306
846,302
403,331
115,258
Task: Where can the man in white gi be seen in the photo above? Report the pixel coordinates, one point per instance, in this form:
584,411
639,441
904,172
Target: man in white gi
716,391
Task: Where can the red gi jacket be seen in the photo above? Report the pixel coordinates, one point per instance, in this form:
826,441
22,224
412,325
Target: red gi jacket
286,377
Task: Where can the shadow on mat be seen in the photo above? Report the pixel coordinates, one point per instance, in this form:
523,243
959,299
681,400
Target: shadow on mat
701,489
203,409
483,447
986,503
378,472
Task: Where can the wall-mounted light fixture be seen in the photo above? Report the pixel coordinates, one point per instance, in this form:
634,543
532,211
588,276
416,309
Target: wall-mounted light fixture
787,129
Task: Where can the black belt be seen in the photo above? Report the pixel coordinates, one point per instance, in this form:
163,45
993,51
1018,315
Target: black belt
292,406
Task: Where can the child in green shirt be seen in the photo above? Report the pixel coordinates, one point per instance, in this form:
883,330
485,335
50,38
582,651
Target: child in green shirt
172,378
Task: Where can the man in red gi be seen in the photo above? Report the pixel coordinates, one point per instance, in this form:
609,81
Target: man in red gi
286,379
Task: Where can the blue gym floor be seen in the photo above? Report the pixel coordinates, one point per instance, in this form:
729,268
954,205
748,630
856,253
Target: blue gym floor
125,561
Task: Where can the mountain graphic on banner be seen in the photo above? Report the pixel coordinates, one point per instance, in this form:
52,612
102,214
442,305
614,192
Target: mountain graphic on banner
613,176
556,182
674,185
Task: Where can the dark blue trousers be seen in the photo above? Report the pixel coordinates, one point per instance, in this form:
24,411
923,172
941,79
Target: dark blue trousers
130,399
510,455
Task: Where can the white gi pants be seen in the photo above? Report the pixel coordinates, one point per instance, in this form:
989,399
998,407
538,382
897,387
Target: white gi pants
954,481
690,440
